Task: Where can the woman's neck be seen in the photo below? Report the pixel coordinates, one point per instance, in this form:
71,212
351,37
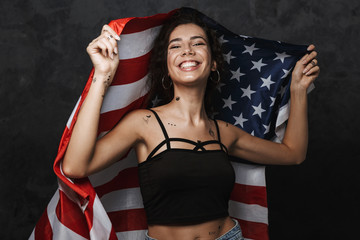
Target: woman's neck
189,104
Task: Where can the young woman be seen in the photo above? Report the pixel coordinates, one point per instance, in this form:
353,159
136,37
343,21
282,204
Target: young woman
185,176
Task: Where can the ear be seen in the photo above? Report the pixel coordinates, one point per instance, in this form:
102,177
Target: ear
214,66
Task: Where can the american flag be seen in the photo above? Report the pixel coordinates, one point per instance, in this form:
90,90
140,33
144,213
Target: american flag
254,96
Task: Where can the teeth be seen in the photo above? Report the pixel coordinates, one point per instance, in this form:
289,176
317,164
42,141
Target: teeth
188,64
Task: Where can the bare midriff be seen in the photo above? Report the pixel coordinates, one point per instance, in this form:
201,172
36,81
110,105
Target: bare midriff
204,231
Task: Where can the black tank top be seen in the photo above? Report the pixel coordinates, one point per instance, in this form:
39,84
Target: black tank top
186,186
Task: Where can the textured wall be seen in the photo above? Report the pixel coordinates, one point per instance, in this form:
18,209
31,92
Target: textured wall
44,66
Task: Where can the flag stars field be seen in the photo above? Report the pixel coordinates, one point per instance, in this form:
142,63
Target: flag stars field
237,74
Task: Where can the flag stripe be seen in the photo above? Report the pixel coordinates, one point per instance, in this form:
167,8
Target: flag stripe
249,194
118,97
109,119
43,229
60,231
248,212
128,220
110,173
137,44
102,227
247,174
127,199
254,230
131,70
127,178
143,23
137,234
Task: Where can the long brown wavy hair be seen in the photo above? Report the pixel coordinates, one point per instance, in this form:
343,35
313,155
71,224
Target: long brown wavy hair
158,60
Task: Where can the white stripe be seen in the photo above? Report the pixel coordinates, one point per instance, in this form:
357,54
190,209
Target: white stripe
32,236
249,174
68,124
59,230
101,227
134,45
132,235
109,173
124,199
248,212
120,96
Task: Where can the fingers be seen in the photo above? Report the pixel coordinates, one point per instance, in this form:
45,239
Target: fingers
310,61
107,28
106,43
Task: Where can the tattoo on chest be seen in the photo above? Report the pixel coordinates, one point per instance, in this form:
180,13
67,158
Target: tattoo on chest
171,124
211,132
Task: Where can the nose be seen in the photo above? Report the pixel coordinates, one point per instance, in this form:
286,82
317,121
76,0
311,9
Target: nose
188,51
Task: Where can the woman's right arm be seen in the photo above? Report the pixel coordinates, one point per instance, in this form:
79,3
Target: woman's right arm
85,155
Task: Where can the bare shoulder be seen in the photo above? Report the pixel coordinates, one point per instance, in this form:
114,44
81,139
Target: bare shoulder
229,133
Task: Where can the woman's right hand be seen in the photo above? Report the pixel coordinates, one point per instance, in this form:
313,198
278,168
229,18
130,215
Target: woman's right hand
103,51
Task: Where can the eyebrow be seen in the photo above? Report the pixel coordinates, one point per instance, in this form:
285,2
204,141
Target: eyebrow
192,38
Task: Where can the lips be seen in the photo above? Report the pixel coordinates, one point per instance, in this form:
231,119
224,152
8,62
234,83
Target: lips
187,65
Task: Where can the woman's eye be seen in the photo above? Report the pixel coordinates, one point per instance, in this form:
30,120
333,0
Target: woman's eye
199,44
174,47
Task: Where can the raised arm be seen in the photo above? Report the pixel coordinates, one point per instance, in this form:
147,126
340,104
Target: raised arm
84,154
293,148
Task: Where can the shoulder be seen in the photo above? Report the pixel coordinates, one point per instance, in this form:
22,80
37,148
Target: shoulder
229,132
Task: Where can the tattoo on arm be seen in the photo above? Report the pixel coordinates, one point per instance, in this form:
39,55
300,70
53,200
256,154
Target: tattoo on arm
146,118
107,84
94,79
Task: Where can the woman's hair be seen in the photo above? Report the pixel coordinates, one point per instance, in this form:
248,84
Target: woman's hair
158,71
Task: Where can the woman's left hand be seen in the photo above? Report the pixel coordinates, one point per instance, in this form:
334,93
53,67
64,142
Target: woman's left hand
306,70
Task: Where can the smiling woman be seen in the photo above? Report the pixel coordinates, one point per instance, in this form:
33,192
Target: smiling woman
185,175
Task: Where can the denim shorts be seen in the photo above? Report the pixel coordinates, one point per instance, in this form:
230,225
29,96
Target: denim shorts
233,234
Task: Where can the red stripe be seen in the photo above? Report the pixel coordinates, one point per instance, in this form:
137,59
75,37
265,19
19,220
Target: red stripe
127,178
249,194
254,230
70,215
131,70
142,23
43,228
109,119
128,220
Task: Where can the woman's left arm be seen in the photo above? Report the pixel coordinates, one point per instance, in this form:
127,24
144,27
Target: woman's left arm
293,148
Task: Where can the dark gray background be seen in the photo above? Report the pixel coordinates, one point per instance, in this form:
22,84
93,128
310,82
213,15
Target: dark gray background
44,67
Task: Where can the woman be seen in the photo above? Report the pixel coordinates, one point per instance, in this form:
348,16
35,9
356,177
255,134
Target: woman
185,176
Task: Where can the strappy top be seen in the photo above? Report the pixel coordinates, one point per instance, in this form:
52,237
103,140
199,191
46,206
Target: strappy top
186,186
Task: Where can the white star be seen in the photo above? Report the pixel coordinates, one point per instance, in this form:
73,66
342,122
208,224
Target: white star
250,49
155,101
267,82
258,110
272,101
281,56
222,39
267,128
240,120
247,92
258,65
252,133
228,102
228,57
237,74
286,73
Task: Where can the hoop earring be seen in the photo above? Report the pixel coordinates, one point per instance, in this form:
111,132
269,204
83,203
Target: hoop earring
162,82
218,78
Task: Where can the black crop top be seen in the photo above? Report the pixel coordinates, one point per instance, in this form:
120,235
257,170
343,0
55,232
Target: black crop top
186,186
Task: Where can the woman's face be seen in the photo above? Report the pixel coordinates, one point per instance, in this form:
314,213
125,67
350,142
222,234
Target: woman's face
189,56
